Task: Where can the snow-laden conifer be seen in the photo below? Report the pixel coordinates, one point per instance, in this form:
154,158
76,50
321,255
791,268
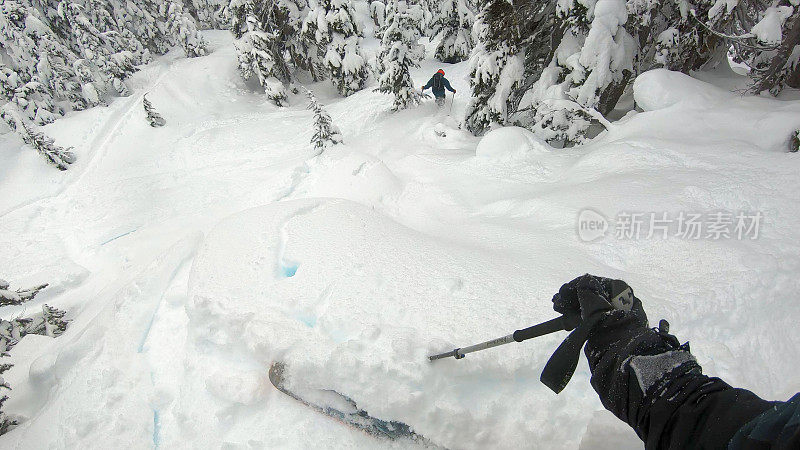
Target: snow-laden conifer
325,132
182,28
73,54
270,43
257,58
208,13
50,322
496,67
452,27
153,117
332,26
400,51
17,296
21,82
113,63
377,11
55,155
7,421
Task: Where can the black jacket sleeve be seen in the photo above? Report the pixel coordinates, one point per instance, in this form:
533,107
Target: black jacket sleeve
447,85
655,385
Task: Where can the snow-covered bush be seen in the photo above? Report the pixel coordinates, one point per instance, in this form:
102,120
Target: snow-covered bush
331,25
325,132
55,155
452,27
400,51
794,141
153,117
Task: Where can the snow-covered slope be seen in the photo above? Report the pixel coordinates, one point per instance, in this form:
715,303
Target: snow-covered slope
191,256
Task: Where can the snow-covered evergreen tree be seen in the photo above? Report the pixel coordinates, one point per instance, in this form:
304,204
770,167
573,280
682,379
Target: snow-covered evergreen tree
55,155
113,63
17,296
50,322
153,117
30,97
400,51
7,422
606,56
270,43
21,82
208,13
73,54
496,67
333,28
325,132
452,27
257,57
183,29
775,64
599,47
377,11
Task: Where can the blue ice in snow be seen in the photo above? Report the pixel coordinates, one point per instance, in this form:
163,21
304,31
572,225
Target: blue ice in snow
288,270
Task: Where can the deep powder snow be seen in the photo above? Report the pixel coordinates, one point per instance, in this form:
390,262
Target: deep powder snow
193,255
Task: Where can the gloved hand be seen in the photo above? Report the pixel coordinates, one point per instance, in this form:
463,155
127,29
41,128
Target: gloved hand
593,302
619,338
592,297
454,91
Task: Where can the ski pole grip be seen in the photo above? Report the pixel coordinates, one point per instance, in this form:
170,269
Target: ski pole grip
560,323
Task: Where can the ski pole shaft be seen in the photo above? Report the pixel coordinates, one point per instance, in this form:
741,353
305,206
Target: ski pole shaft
551,326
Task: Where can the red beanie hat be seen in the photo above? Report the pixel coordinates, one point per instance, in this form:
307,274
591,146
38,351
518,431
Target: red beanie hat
440,71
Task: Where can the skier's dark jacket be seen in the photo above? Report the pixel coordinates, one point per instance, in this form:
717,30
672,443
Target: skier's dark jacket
438,83
654,384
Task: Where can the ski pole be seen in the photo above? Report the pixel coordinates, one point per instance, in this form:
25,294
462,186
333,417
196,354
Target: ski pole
561,323
563,362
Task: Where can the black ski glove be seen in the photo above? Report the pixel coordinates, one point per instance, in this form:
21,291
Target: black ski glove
617,332
588,300
592,297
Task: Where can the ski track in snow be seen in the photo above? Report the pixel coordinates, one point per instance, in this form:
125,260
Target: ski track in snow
184,286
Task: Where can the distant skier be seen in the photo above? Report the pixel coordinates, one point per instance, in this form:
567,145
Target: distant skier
438,83
647,379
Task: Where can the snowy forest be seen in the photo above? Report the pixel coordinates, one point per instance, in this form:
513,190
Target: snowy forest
555,68
219,197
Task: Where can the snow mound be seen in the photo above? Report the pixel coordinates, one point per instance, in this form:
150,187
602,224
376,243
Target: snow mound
510,143
353,301
356,176
661,88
